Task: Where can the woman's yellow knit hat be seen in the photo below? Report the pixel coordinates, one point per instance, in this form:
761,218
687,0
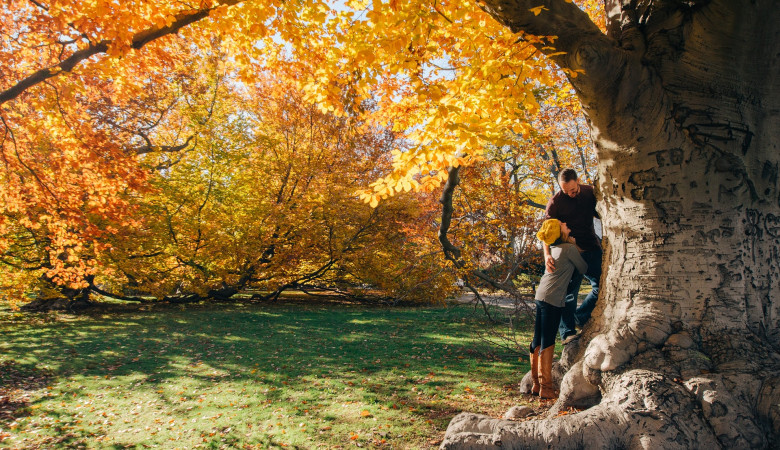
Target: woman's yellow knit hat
550,231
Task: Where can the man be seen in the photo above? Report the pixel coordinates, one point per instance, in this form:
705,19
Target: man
575,204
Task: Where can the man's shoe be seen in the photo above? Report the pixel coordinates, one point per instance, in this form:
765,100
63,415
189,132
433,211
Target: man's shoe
570,339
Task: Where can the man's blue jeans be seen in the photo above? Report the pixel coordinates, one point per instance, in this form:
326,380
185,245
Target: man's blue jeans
571,314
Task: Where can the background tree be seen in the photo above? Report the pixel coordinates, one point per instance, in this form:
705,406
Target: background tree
70,152
237,188
265,201
101,43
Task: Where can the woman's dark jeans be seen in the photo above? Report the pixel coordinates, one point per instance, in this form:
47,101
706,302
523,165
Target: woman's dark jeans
547,319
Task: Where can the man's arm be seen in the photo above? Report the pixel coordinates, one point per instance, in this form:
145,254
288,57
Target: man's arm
594,201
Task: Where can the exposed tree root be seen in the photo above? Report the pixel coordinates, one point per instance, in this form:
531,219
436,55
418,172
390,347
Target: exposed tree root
641,410
734,408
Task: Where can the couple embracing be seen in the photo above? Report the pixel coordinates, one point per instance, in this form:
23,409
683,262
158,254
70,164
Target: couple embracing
571,251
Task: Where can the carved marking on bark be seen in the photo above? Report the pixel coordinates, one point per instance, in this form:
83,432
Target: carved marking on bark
643,177
673,156
702,128
725,144
772,225
654,193
752,223
704,238
735,193
769,172
669,211
648,186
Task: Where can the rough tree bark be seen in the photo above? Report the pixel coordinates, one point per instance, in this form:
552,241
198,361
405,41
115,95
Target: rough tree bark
684,345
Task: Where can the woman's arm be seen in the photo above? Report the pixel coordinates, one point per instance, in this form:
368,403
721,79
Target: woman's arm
573,253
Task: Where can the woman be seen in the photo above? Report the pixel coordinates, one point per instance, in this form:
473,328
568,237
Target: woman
550,297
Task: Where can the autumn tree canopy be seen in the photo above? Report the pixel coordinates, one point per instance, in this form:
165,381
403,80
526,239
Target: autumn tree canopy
168,150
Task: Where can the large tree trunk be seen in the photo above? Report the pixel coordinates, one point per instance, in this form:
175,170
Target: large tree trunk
684,345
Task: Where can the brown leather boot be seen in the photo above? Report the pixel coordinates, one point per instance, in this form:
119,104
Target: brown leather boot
545,373
535,371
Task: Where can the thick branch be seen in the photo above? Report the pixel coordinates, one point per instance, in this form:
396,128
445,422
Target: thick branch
556,18
301,280
450,251
127,298
534,204
585,48
139,40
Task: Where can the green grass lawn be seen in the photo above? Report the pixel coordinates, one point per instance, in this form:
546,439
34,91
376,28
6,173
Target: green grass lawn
293,374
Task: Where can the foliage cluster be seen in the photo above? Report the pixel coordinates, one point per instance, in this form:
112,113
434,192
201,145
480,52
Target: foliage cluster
235,187
207,149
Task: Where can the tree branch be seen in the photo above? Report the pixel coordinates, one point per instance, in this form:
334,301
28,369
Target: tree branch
127,298
139,40
451,252
162,148
556,18
479,298
586,50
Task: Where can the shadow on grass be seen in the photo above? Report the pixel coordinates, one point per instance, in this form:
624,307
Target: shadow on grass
413,359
